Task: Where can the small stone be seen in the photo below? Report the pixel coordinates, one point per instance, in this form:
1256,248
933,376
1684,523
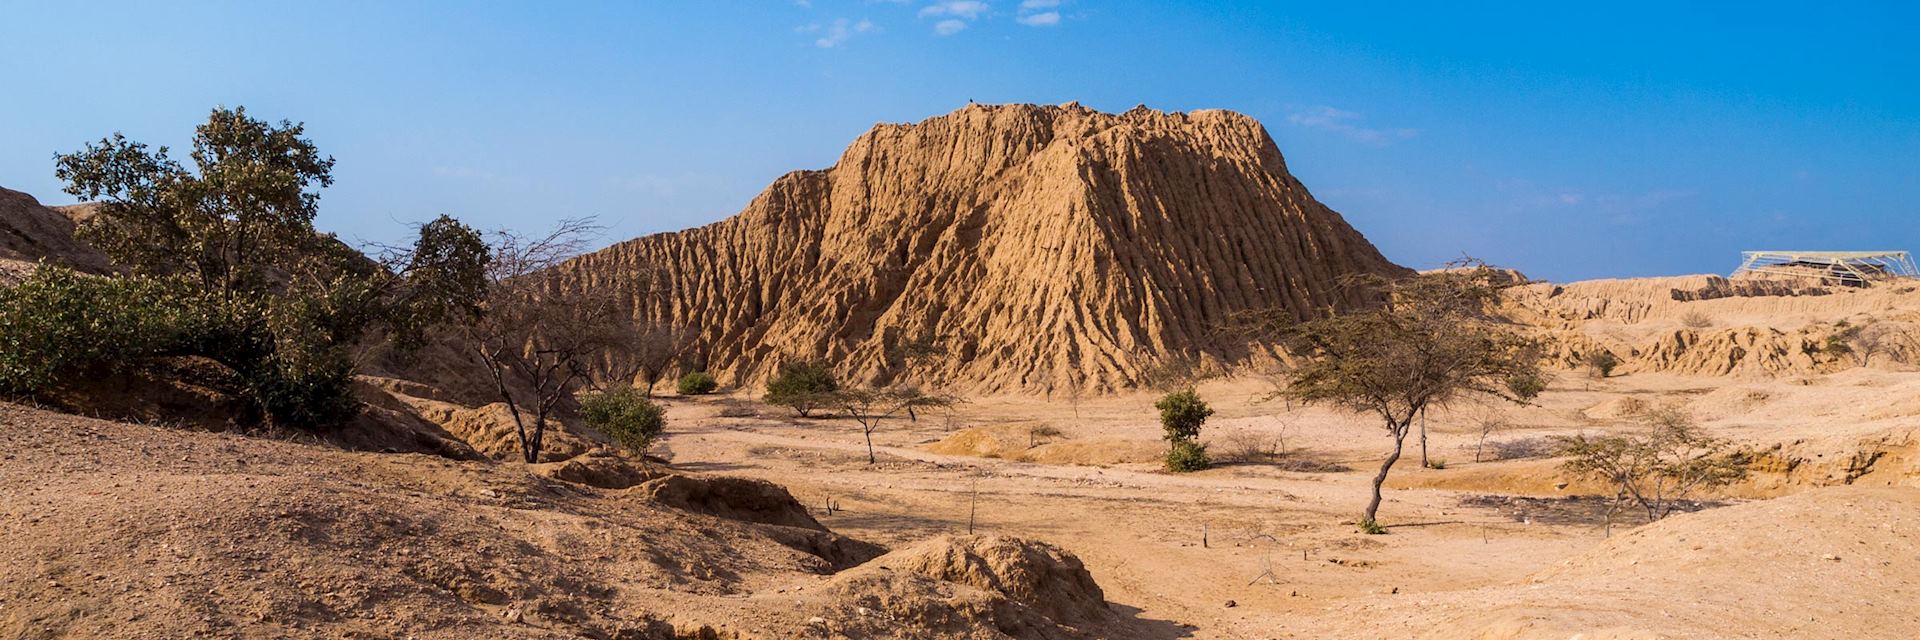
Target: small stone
817,621
1830,557
1231,604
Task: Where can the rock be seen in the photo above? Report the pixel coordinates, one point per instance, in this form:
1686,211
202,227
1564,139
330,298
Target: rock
1231,604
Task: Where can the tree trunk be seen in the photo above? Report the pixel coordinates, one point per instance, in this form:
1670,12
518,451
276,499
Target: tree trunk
1399,442
1424,463
870,458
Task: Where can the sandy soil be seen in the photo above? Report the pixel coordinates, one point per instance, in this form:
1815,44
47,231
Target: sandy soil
1258,551
133,531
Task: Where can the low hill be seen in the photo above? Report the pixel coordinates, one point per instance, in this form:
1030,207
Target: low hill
30,232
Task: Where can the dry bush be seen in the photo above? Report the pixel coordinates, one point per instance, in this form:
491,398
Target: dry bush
737,409
1695,320
1634,406
1297,462
1247,447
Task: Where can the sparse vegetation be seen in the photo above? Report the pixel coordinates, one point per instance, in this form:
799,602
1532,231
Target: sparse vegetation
1695,320
871,407
696,383
248,282
1426,342
1654,469
1248,446
1182,413
625,415
1601,363
803,386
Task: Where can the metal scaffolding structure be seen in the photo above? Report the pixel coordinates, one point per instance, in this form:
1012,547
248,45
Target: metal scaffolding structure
1850,268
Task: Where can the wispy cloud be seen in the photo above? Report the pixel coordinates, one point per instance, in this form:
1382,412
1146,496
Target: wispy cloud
1038,13
969,9
955,14
836,33
1349,124
1047,19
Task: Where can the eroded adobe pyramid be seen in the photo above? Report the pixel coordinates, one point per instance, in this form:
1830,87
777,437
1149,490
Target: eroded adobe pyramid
1039,247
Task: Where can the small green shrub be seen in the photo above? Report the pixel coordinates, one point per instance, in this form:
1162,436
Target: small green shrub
1186,456
1372,528
1182,413
697,383
802,386
1601,363
626,416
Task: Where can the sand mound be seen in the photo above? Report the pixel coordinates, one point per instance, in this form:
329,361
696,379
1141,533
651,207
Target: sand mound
1041,247
1027,589
1021,441
1841,562
743,499
490,429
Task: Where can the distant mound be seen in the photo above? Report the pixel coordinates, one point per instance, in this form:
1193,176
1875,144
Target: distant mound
1037,247
30,232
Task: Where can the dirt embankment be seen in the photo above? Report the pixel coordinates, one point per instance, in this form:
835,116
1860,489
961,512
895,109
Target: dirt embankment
126,531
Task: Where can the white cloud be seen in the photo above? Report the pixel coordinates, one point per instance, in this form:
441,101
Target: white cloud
1047,19
969,9
837,33
949,27
1031,5
1349,124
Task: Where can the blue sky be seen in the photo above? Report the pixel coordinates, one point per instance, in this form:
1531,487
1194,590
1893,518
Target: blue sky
1618,139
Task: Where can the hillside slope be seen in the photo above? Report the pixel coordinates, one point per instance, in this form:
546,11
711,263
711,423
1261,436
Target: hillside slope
1039,247
30,232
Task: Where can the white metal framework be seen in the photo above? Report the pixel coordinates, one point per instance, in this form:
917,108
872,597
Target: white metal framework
1850,268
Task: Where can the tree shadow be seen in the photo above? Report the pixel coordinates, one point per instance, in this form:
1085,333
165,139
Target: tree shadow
1133,625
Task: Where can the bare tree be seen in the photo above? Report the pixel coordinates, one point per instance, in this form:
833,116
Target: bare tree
1658,468
654,351
872,406
1430,339
537,340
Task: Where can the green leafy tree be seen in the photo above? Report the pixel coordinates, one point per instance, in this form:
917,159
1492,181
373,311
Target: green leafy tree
625,415
803,386
1182,413
1427,340
259,290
